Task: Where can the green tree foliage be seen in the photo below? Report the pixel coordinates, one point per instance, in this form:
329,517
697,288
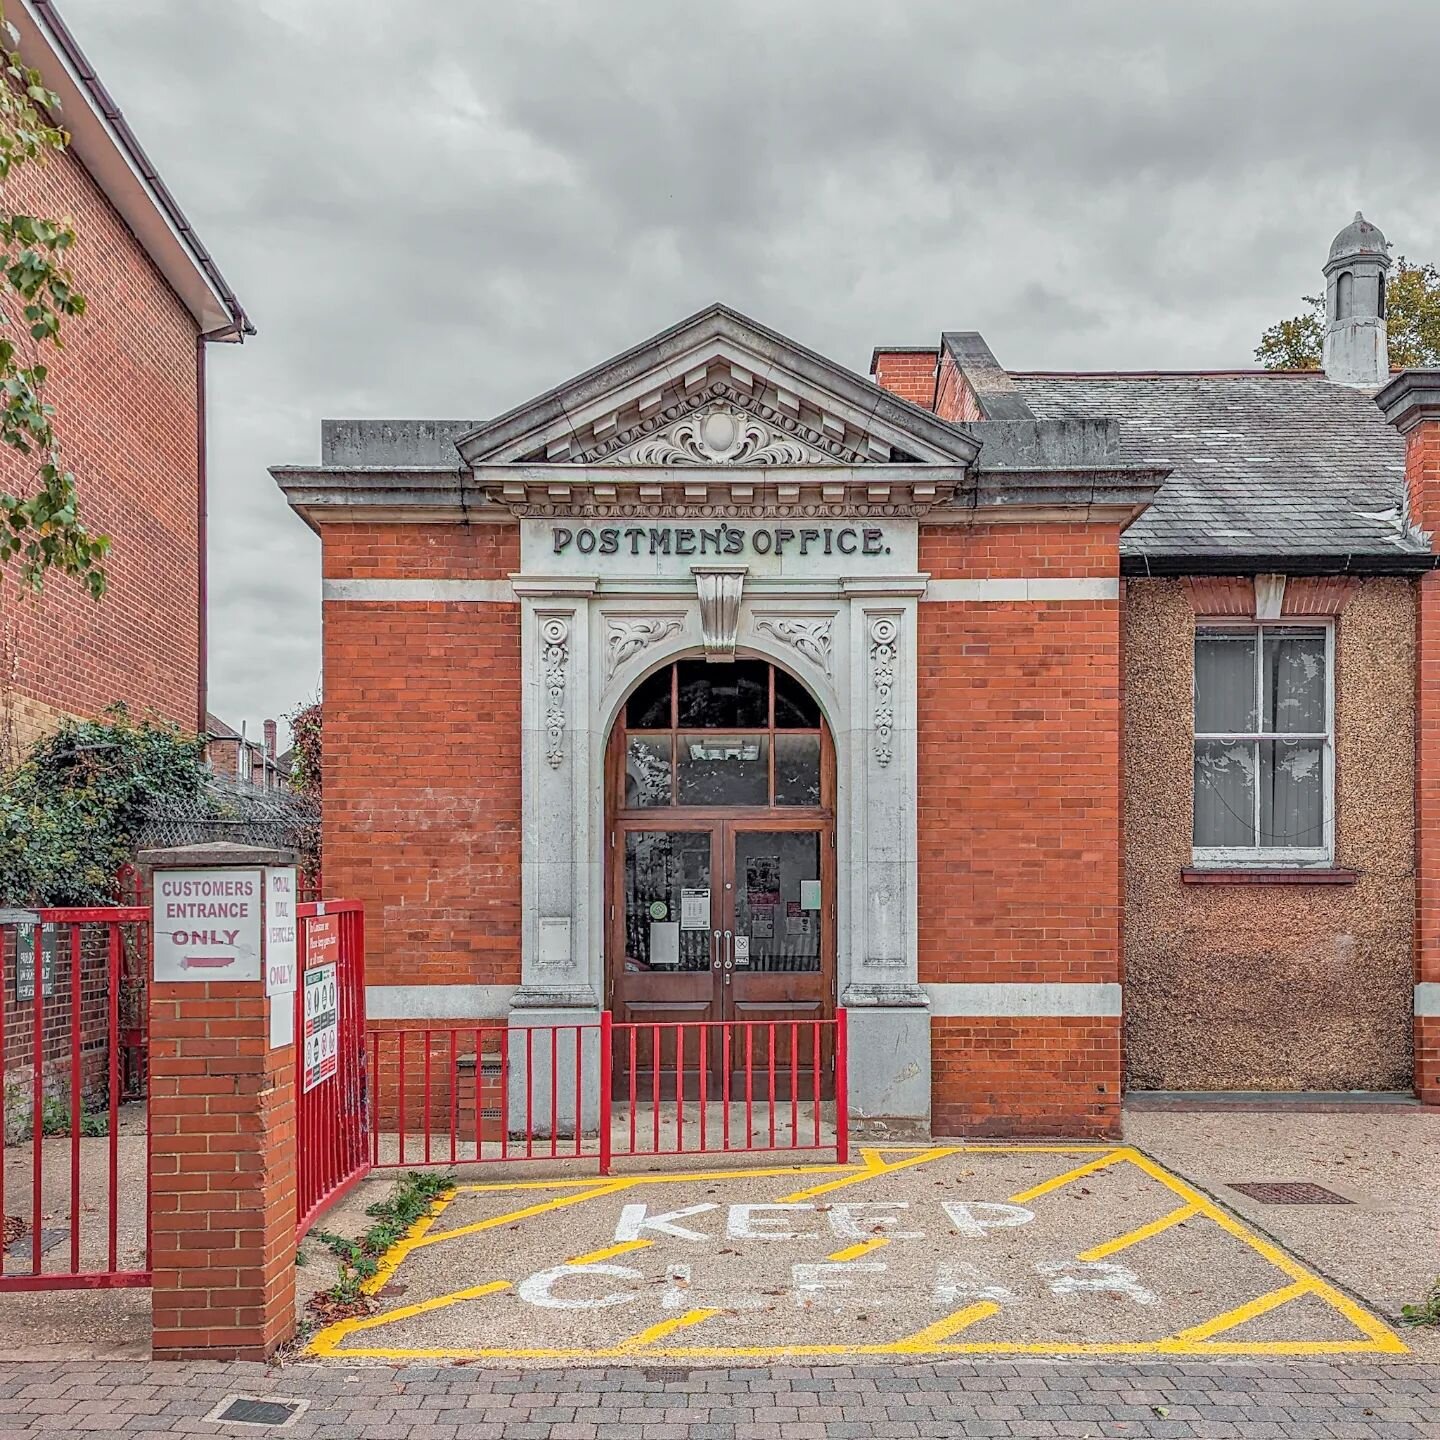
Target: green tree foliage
40,527
307,727
71,813
1412,316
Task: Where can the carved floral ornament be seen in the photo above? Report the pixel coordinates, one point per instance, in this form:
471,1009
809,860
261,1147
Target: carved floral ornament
554,656
627,636
810,636
884,646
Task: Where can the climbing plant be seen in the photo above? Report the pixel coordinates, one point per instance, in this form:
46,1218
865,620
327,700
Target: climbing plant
307,729
72,812
40,526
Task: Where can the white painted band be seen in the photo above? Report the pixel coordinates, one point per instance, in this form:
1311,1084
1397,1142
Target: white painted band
491,591
1427,998
1003,589
438,1002
1020,999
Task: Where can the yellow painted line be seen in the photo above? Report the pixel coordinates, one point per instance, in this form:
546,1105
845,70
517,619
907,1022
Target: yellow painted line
1241,1313
664,1328
932,1335
545,1207
610,1252
1369,1325
854,1252
671,1177
328,1340
390,1260
1059,1182
1134,1237
875,1165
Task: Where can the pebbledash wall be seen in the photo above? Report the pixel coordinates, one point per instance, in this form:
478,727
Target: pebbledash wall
1011,717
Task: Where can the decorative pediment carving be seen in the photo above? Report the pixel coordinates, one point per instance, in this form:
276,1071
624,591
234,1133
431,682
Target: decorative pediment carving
719,425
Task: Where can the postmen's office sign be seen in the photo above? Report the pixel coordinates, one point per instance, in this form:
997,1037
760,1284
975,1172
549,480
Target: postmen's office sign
798,546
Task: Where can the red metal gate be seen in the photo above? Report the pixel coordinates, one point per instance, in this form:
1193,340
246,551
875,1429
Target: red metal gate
465,1095
74,1147
332,1099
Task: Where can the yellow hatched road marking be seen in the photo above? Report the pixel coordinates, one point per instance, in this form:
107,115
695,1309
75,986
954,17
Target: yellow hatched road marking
1060,1181
875,1165
610,1252
402,1247
854,1252
1134,1237
1241,1313
664,1328
932,1335
610,1187
326,1342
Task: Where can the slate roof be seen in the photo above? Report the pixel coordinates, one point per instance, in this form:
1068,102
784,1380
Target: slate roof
1264,464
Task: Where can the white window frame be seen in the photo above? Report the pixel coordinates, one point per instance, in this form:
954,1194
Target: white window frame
1258,856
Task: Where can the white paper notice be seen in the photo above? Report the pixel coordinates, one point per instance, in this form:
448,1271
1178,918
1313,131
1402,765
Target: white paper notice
809,894
694,909
664,943
742,949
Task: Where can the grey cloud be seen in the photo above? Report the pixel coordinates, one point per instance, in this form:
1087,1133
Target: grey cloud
444,207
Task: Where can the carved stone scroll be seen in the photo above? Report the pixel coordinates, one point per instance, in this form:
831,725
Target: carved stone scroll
884,642
807,635
555,656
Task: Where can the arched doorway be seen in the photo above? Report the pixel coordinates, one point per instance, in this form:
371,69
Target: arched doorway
720,884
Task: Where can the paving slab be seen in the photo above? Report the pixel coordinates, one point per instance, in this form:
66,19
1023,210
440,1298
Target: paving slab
946,1250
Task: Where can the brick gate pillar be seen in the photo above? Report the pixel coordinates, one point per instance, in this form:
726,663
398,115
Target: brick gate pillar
222,1112
1411,402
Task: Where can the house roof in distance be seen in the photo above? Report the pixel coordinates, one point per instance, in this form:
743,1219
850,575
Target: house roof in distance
104,143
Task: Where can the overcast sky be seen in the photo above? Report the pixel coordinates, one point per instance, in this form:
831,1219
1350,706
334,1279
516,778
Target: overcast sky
443,207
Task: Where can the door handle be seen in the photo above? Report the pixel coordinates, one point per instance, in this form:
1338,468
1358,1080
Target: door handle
715,963
729,955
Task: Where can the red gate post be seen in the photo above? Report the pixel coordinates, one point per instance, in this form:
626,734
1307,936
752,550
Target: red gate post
842,1087
222,1112
606,1073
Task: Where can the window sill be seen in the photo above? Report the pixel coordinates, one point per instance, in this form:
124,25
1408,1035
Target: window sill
1268,875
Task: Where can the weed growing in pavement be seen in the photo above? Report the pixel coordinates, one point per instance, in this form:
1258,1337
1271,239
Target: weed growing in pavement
1427,1312
360,1259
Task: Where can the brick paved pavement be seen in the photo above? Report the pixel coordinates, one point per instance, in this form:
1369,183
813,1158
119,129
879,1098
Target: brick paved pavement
1307,1401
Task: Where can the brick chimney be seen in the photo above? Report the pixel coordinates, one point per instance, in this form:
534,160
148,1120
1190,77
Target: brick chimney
1411,403
270,738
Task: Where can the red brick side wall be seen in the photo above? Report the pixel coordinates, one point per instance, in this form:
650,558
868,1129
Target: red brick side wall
1422,474
1019,823
954,399
910,374
422,756
124,387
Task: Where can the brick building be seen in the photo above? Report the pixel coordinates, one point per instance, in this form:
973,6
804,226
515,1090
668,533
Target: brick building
1073,731
130,390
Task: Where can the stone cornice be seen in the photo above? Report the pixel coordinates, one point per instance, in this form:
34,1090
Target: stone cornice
1411,397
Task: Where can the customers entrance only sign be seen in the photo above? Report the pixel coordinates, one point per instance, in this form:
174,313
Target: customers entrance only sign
207,924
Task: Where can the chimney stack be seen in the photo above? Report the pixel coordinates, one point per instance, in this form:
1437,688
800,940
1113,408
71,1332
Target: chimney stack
1357,347
270,738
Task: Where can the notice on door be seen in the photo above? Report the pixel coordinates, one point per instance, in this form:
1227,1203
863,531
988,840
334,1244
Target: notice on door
206,925
322,1027
694,909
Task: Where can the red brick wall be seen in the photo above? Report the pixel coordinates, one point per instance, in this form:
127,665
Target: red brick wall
910,374
954,399
124,387
1422,474
1019,823
422,756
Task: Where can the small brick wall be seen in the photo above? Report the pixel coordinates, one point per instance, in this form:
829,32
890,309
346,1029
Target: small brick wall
910,374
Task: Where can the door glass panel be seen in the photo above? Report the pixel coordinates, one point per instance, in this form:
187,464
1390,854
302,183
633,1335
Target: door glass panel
648,707
797,768
647,771
777,900
667,900
795,707
723,769
733,696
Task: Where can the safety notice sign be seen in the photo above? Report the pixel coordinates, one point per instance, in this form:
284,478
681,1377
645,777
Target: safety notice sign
322,1027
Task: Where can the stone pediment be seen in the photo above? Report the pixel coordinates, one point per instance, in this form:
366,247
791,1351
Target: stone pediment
717,390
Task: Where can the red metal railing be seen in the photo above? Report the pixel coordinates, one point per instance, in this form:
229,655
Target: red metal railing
332,1141
495,1093
68,1005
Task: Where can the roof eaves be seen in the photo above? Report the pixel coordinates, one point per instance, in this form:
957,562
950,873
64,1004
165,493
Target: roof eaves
225,319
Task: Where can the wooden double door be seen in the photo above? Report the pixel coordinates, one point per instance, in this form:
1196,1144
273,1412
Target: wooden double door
724,919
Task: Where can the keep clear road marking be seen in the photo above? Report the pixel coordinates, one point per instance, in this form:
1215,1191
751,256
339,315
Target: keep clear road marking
666,1327
854,1252
932,1335
1059,1182
1144,1232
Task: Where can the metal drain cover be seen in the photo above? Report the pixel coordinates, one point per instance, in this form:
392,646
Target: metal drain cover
252,1410
1289,1192
666,1372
